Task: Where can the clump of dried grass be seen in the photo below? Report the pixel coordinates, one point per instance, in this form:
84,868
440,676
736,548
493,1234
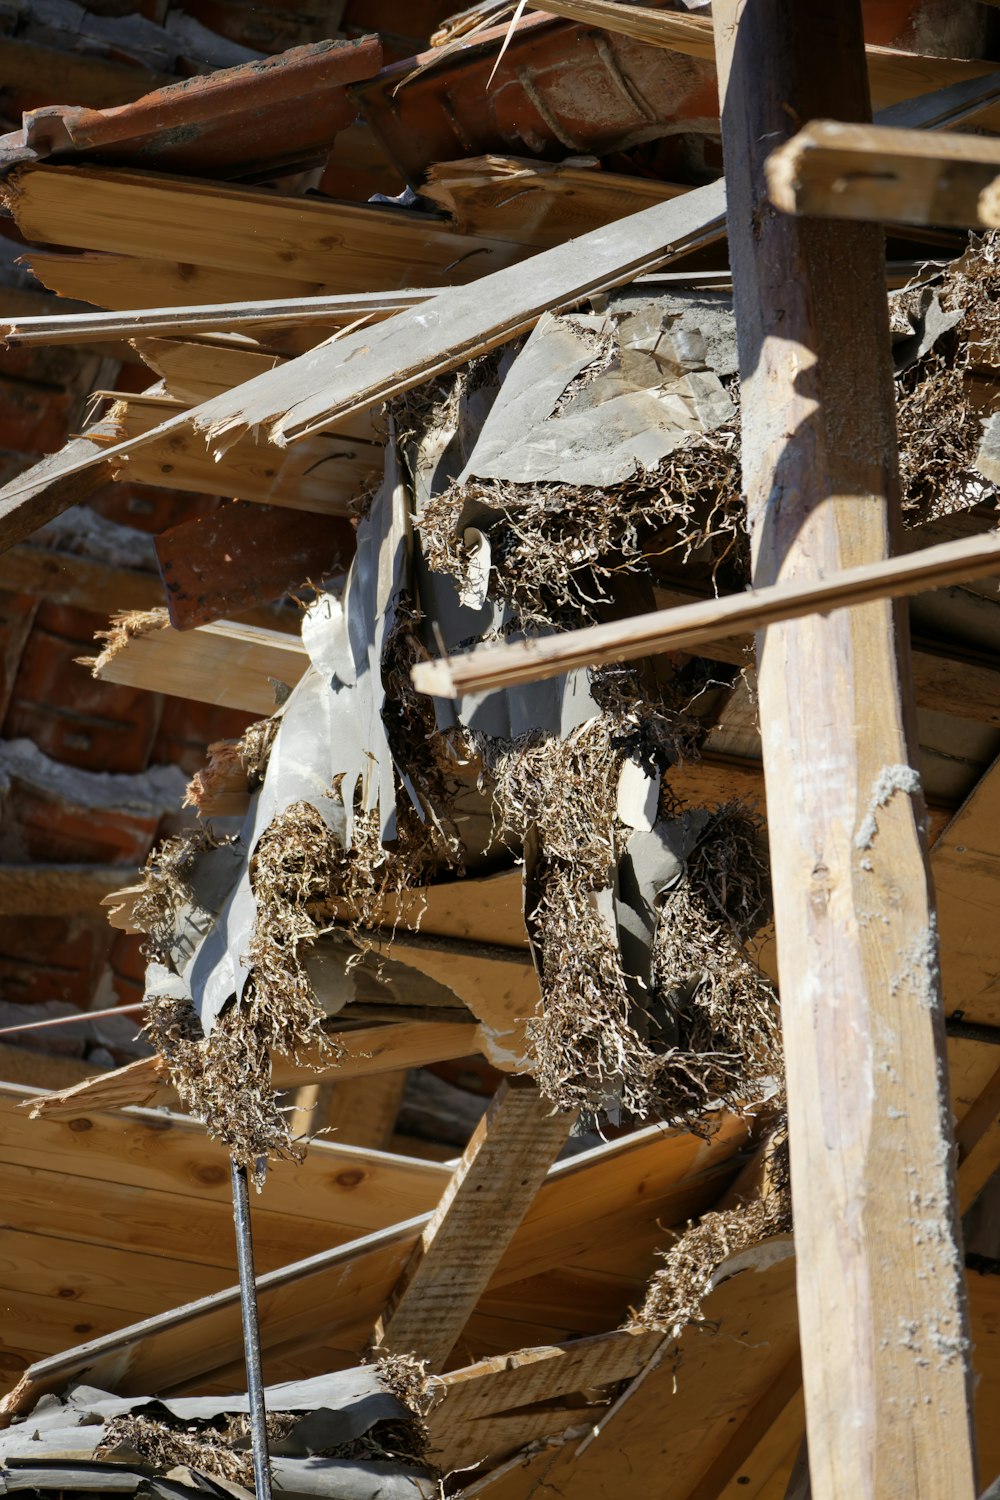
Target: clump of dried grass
678,1289
940,429
166,889
221,1449
302,878
729,1034
590,1041
555,547
162,1444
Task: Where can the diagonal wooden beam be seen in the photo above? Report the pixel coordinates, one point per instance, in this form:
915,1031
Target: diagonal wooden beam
480,1211
688,626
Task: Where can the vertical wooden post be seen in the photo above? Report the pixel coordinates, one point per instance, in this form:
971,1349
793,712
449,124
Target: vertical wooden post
880,1276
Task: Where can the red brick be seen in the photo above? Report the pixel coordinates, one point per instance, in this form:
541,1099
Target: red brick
50,958
187,729
99,726
38,828
17,613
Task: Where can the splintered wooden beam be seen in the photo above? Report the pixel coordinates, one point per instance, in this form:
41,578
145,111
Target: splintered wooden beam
324,476
872,172
688,626
347,247
234,666
882,1314
143,322
499,1174
52,485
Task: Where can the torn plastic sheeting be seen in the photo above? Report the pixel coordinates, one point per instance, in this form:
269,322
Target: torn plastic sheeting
340,1479
655,390
349,1402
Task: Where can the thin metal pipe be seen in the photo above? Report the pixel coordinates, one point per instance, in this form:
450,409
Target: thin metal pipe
251,1332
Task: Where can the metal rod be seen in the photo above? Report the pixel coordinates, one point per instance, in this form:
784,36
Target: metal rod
251,1332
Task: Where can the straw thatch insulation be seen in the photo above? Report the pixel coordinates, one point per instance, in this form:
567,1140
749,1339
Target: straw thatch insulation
677,1290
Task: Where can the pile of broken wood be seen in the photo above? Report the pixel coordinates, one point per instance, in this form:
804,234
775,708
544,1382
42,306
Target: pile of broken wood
489,413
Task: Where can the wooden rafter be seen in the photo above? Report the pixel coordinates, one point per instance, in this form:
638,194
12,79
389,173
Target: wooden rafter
492,1187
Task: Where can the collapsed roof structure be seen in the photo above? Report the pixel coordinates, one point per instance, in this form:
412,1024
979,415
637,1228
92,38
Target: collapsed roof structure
509,421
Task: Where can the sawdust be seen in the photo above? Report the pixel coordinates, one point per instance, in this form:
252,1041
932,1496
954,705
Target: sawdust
677,1291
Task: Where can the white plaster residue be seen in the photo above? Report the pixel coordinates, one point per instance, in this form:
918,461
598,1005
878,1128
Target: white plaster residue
890,779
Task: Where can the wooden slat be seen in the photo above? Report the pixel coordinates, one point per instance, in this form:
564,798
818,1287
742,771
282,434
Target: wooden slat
867,1103
234,666
51,486
248,316
842,171
687,626
348,247
126,281
499,1174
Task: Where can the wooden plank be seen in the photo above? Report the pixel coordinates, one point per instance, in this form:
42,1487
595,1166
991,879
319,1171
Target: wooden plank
844,171
501,1170
324,476
966,864
332,1300
126,281
56,890
343,1185
247,316
867,1111
537,203
52,486
348,247
687,626
978,1138
235,666
782,1398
